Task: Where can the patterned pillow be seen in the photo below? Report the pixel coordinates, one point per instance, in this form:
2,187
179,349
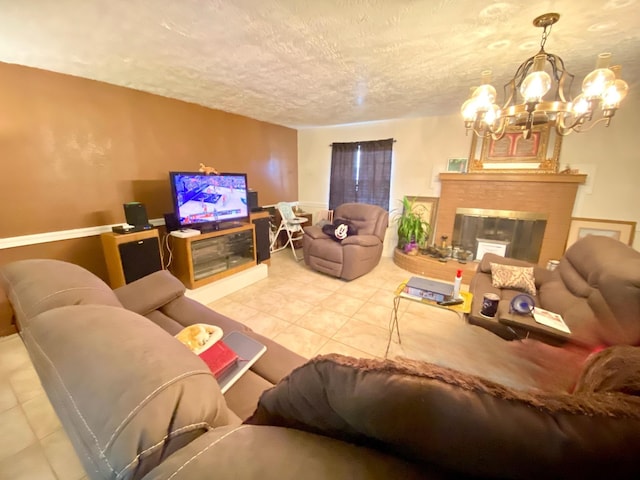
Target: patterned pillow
509,276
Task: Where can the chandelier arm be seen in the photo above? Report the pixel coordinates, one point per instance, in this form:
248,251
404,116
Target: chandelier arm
509,97
481,133
521,73
579,125
560,90
561,76
502,129
485,131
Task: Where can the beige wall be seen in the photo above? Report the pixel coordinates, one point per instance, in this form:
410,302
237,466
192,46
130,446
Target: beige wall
72,151
607,155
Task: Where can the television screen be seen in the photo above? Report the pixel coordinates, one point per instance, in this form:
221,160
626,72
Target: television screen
200,199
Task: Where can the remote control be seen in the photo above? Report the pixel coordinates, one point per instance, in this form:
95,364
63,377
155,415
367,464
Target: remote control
451,301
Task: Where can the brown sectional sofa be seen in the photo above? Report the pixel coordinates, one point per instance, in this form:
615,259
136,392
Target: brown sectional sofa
137,404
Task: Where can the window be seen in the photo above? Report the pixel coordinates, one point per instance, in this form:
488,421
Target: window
361,173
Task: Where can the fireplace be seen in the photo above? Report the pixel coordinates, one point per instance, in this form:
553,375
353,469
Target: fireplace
552,195
509,233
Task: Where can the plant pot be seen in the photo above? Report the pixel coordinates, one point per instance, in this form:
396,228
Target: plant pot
411,248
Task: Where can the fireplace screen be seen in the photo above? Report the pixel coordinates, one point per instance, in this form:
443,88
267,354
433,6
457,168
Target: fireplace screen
505,232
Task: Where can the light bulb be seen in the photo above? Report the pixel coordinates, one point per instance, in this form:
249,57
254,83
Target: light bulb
580,105
535,86
484,96
492,115
615,94
597,82
469,110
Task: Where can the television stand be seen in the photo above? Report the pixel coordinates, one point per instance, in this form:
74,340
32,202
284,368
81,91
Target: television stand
211,256
234,224
216,227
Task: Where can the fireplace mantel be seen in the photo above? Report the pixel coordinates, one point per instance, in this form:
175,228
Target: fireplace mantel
515,177
549,193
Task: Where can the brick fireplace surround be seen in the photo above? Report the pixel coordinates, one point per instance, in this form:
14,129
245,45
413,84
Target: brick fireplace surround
553,194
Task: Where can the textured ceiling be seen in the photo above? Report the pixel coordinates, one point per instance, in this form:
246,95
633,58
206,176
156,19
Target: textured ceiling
313,62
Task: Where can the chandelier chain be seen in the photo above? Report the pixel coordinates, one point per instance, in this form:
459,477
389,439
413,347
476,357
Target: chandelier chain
545,35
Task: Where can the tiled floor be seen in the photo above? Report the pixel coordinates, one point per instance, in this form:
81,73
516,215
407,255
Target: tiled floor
306,311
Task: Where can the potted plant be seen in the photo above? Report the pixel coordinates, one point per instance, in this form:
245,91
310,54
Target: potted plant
413,231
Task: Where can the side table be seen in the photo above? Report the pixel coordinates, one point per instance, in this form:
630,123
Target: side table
525,326
400,294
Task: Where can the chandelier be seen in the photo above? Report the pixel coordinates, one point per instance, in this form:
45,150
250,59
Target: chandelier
525,105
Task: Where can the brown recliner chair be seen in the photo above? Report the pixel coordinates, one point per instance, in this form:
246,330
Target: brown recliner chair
355,255
596,289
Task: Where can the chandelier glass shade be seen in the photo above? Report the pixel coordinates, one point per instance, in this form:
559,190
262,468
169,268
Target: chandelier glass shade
539,93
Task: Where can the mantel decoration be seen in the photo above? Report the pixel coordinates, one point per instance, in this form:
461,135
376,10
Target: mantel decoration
525,106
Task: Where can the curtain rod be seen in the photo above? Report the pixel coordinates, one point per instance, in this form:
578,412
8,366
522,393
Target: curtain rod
331,144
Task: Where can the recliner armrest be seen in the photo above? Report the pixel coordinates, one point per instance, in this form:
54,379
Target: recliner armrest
150,293
362,240
315,232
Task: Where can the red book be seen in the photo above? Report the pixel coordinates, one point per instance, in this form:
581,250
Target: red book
219,358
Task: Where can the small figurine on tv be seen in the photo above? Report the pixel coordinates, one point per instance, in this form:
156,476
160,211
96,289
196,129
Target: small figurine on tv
207,170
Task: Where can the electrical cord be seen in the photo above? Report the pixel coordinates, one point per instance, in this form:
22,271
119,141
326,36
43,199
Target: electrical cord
167,245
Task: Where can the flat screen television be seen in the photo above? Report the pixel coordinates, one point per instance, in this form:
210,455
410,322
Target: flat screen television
207,202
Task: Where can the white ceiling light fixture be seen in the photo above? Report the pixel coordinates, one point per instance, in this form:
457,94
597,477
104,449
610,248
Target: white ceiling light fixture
526,106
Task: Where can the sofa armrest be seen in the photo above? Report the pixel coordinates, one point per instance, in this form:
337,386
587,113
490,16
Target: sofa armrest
362,240
315,232
150,293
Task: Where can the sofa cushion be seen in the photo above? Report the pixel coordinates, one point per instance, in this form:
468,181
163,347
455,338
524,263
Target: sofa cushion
270,453
37,285
436,415
127,392
509,276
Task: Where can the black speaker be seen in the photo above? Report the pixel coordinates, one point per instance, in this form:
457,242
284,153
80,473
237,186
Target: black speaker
136,214
252,200
140,258
262,239
171,222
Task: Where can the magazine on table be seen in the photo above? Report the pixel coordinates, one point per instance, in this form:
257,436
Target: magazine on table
550,319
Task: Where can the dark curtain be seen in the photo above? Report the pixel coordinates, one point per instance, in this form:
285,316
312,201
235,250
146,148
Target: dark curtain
342,187
371,184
